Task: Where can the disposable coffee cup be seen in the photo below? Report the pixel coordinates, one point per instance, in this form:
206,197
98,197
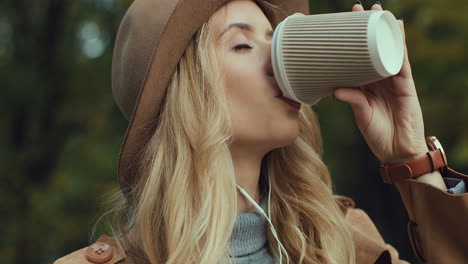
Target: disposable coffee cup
314,54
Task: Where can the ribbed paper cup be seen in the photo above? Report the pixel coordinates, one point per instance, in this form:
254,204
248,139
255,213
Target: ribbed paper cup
312,55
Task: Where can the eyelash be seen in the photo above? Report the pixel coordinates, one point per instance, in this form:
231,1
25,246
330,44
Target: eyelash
242,46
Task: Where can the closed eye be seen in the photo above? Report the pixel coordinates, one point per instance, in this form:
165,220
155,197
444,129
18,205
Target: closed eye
242,46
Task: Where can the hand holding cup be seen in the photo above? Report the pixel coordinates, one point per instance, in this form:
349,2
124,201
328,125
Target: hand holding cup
388,113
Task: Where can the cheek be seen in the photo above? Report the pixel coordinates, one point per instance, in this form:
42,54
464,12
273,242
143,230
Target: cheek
246,92
257,115
239,77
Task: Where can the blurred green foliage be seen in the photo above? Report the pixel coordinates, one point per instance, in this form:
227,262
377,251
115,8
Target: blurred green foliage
61,132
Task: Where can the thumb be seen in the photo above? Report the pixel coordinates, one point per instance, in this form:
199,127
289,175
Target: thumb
359,104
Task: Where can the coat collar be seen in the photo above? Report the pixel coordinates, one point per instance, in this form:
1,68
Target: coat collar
369,245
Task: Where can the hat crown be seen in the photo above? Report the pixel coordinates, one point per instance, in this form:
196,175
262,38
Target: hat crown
137,38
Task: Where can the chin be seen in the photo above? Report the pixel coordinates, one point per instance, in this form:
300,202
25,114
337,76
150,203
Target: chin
288,139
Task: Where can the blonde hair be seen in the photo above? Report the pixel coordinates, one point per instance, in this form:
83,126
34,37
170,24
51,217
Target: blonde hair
182,206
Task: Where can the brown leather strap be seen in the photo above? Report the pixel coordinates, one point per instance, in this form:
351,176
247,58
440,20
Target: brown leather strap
430,162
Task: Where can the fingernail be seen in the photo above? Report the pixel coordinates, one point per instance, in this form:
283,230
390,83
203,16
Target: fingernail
378,2
358,2
402,20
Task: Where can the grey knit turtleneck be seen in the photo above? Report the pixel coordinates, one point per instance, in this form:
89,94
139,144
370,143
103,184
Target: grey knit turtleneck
248,242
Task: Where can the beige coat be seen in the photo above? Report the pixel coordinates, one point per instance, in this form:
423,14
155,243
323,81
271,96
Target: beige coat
438,228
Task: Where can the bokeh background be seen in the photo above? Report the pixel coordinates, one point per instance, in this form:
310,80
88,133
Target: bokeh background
60,131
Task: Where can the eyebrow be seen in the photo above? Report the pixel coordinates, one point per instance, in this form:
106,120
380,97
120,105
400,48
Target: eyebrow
246,27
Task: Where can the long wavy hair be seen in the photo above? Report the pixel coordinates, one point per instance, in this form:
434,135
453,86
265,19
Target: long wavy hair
183,203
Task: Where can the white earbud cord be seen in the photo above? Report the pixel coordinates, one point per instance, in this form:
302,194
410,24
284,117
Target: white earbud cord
273,231
269,217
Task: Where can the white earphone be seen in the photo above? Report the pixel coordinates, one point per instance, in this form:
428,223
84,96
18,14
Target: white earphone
280,246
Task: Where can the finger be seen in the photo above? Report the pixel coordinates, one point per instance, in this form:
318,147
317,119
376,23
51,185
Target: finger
402,27
377,6
406,68
358,101
358,6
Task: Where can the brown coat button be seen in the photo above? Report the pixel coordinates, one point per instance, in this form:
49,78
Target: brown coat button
99,252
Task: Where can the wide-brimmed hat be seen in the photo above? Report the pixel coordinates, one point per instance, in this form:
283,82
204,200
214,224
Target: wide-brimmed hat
150,41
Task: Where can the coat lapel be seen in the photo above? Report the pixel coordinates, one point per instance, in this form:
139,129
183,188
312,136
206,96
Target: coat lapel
369,245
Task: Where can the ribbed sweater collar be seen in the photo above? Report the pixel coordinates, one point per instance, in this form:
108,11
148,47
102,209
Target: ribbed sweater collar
249,233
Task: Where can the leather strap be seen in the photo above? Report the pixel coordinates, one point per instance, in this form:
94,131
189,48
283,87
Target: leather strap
430,162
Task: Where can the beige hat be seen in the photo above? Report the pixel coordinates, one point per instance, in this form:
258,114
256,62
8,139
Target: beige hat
151,39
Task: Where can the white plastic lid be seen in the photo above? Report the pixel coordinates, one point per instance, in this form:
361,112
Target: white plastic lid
385,43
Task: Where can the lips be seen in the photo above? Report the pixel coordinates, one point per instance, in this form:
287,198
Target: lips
290,102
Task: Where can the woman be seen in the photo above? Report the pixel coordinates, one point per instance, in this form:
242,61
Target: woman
210,139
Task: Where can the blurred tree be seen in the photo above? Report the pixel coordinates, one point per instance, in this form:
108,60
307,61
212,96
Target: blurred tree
61,132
